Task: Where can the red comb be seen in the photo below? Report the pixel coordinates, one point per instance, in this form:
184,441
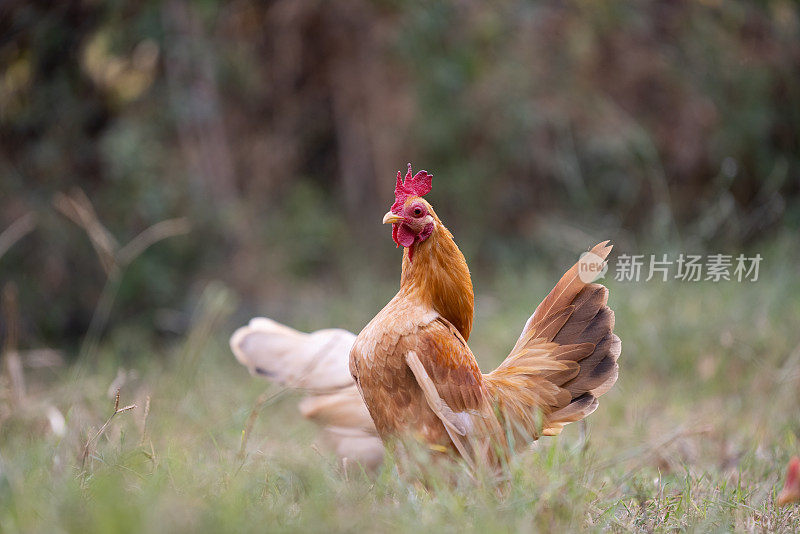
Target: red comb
418,185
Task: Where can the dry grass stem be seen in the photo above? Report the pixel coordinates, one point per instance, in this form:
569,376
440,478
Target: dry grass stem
262,400
10,354
78,208
150,236
114,258
216,303
18,229
117,410
144,420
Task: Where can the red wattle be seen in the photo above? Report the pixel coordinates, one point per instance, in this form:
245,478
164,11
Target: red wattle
405,236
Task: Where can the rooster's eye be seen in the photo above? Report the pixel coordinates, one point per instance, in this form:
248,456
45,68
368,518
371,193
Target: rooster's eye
417,212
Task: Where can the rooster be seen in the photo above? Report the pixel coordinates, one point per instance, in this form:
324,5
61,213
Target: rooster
414,370
418,377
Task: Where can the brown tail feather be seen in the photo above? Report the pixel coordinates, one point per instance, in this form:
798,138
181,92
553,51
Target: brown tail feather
564,292
567,344
572,412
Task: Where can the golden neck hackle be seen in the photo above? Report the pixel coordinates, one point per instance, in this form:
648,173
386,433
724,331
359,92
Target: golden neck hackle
438,276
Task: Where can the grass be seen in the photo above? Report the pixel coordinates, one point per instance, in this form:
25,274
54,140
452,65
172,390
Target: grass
695,436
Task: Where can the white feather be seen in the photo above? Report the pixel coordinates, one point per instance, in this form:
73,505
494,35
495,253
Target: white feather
318,363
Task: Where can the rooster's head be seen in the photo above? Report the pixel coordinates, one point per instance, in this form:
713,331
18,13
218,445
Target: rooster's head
411,216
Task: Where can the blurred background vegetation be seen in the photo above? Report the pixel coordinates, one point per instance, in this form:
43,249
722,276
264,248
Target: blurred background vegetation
171,168
272,131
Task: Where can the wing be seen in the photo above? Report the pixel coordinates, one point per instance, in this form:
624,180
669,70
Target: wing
452,383
449,363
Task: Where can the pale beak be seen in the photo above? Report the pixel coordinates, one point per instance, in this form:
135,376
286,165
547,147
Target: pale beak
391,218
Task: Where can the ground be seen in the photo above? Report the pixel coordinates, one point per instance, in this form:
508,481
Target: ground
695,435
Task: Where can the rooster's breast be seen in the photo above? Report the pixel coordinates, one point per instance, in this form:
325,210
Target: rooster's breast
389,389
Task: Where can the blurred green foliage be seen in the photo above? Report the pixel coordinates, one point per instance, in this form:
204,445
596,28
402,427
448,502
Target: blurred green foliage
276,129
